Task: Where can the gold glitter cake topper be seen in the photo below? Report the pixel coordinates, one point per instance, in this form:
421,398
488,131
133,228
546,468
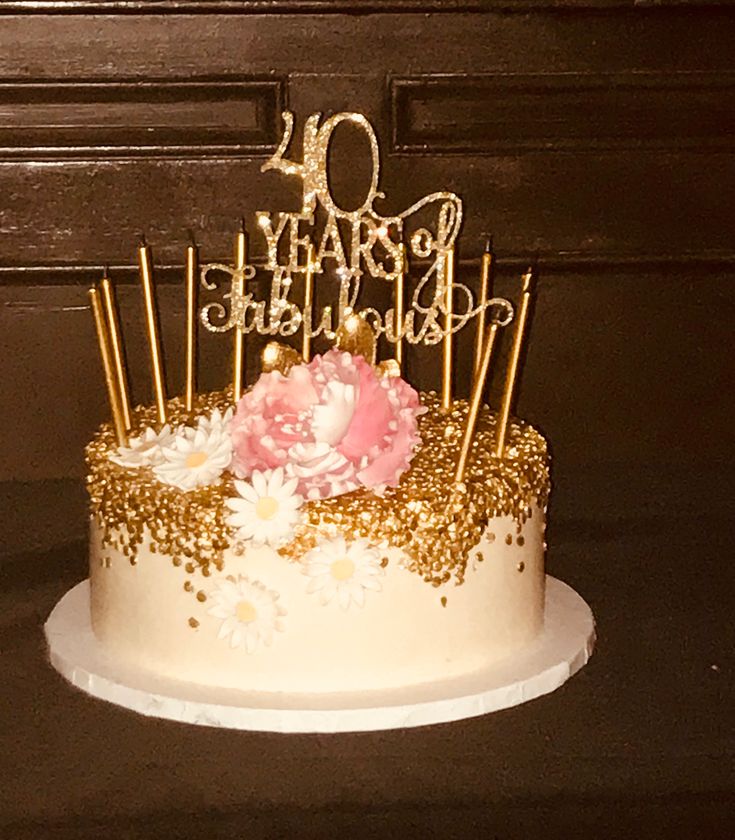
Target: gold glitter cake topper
349,245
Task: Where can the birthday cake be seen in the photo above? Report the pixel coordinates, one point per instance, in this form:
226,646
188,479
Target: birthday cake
346,558
326,530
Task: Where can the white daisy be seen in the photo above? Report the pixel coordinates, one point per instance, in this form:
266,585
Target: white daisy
145,450
216,420
267,509
250,613
343,570
195,458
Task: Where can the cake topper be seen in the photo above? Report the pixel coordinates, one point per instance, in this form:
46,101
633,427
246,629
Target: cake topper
323,239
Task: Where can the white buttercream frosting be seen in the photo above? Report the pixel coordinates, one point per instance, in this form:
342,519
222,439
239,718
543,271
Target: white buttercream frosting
156,615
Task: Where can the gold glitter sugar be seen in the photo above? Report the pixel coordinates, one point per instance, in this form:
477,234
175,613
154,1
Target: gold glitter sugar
433,520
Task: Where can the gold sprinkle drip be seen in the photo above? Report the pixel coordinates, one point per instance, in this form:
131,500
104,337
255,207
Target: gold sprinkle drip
521,566
193,623
433,520
479,557
188,586
521,540
383,561
509,539
490,537
443,600
201,596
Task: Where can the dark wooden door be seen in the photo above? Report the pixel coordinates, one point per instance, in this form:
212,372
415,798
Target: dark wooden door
599,133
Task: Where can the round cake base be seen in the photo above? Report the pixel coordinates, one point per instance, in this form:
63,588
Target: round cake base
563,648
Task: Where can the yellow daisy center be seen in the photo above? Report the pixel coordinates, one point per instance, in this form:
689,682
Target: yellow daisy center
196,459
266,508
245,612
342,569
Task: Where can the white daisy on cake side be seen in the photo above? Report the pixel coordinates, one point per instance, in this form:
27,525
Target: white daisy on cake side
266,509
144,450
343,570
197,457
249,611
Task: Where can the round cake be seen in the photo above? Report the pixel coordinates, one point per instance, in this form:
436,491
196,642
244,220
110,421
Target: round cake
287,568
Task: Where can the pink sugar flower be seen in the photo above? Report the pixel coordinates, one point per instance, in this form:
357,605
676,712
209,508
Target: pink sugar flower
332,424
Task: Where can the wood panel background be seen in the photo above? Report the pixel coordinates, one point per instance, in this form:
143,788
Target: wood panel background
599,134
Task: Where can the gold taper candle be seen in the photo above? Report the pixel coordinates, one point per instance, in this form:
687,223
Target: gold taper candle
116,347
478,389
241,259
151,317
511,374
448,338
485,294
399,307
108,364
308,304
192,270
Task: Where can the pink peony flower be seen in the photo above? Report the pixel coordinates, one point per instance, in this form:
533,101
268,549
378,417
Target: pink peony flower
333,424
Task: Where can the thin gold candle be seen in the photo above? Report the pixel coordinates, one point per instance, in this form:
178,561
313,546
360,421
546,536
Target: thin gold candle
512,370
151,317
108,364
448,338
241,258
478,389
192,270
308,304
485,294
399,307
116,347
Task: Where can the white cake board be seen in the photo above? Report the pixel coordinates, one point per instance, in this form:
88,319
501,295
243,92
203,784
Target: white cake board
562,649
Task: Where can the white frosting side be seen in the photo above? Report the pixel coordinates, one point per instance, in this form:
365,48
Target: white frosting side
402,635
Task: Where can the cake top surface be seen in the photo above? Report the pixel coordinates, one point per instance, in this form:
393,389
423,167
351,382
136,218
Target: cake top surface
435,520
